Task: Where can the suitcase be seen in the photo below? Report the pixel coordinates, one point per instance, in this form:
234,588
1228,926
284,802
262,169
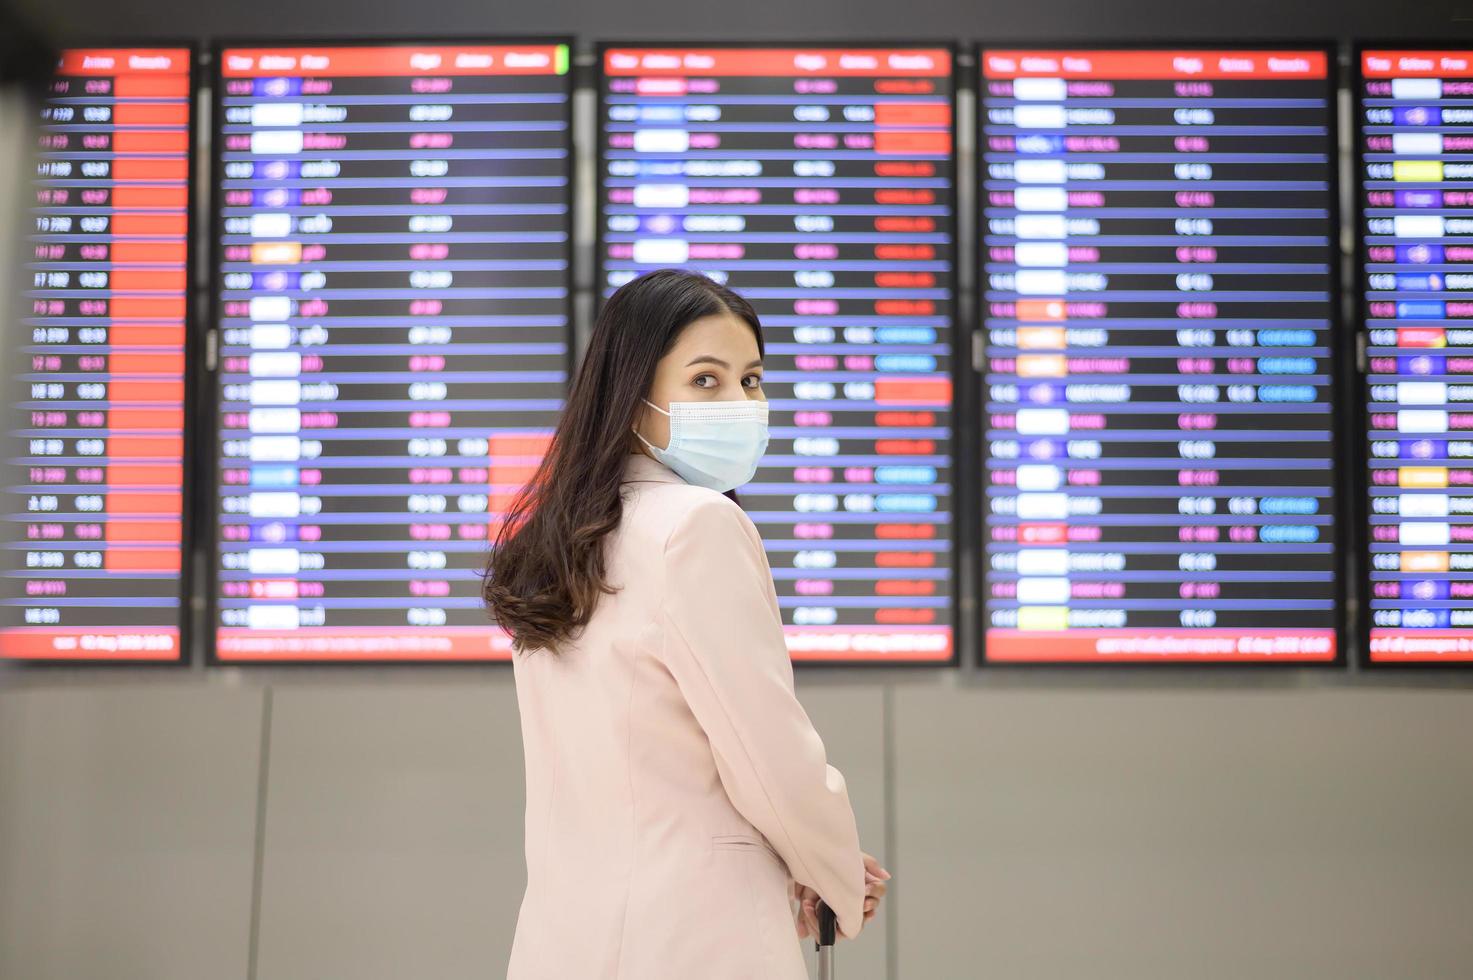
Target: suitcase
824,941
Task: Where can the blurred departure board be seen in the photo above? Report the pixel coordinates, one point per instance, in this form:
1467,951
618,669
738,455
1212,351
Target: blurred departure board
93,377
818,183
1158,243
393,240
1416,172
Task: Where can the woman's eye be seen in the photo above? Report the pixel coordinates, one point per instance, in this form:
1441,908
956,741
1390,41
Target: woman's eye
753,381
700,380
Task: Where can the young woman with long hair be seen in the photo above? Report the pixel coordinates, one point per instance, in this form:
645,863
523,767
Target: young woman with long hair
679,802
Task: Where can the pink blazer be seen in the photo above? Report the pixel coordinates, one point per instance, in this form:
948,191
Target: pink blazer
674,783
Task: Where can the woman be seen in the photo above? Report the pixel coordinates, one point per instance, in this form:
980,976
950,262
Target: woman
678,798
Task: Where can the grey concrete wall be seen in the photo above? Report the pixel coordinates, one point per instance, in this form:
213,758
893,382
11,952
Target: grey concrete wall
367,825
1273,834
127,831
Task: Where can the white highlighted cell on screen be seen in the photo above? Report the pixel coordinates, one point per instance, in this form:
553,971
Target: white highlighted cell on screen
276,392
1040,89
1416,88
661,251
271,224
1049,618
1416,144
1040,226
1039,282
1421,420
1421,393
285,142
1039,171
1043,421
1043,561
276,364
272,617
1038,116
270,307
1417,226
276,114
661,141
275,449
1417,171
273,561
1036,254
270,336
1423,505
1039,476
1040,199
270,421
1424,534
1043,591
661,195
1042,506
275,504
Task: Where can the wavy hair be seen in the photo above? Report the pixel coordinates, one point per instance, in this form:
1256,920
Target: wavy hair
546,570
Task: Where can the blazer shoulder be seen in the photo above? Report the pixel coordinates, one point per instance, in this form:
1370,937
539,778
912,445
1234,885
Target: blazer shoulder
660,512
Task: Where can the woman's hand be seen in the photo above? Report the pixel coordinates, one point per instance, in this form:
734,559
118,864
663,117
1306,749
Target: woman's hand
875,879
807,910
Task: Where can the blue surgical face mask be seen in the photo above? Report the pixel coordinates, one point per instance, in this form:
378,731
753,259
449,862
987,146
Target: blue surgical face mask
713,444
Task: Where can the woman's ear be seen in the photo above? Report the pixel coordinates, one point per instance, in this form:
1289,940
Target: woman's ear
636,444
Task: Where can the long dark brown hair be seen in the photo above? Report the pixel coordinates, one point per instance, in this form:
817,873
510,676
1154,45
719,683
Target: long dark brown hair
546,571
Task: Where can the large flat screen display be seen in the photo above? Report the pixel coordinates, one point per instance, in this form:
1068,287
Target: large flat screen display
818,183
92,380
1415,112
392,264
1159,305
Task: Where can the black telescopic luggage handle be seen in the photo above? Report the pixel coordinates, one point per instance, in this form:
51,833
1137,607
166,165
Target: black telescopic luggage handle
824,941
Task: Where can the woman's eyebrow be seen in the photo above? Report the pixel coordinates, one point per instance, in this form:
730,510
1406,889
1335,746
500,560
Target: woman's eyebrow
712,359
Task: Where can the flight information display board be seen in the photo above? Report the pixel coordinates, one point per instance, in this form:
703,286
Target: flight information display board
393,241
1157,233
1416,155
93,376
818,183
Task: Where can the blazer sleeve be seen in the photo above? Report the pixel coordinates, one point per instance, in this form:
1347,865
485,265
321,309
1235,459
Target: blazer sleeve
724,646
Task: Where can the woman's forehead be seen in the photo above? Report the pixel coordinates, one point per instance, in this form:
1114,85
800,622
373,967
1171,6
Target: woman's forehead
720,330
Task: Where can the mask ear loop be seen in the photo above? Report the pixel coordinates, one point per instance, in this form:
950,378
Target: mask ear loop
636,431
